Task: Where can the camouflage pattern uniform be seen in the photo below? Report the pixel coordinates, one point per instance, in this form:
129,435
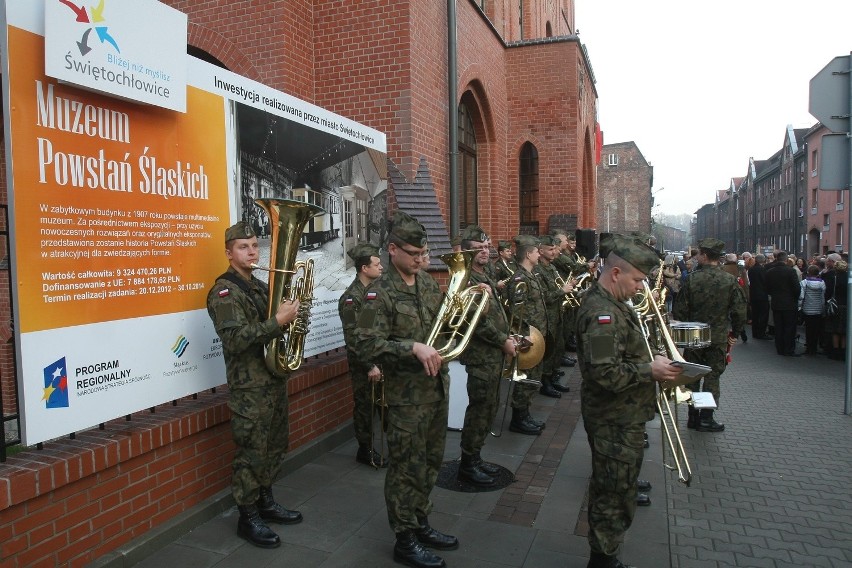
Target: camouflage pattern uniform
258,400
534,314
348,307
483,360
553,297
712,296
567,266
393,318
617,399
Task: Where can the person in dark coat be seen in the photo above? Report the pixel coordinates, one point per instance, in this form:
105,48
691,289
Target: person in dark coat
758,297
782,285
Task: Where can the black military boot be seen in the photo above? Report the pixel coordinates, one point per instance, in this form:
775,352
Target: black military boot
252,528
707,424
368,456
489,468
408,551
692,418
428,536
547,390
557,386
470,472
273,512
598,560
521,425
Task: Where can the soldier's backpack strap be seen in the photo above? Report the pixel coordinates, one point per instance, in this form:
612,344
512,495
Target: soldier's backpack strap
243,285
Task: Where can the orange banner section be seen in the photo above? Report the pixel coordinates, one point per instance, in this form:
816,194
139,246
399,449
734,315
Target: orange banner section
119,208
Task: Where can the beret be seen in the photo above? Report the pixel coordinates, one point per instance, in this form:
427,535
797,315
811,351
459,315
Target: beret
407,229
504,245
547,240
526,241
713,245
635,251
362,250
474,233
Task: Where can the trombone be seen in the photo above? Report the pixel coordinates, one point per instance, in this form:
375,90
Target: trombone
668,414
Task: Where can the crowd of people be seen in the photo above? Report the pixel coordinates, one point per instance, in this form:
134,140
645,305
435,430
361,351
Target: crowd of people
540,295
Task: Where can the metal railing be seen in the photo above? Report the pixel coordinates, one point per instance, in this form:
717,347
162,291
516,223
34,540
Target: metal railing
10,423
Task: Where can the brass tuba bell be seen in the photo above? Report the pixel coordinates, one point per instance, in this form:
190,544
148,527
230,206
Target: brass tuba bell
461,309
289,279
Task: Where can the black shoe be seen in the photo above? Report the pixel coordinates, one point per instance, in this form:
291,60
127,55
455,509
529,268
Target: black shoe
428,536
470,472
408,551
489,468
646,444
368,456
557,386
252,528
598,560
643,500
548,390
557,375
568,361
744,337
271,511
706,423
692,419
522,423
643,486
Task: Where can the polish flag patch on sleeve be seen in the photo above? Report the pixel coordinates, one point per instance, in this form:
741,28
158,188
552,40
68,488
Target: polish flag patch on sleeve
604,320
224,292
349,301
371,296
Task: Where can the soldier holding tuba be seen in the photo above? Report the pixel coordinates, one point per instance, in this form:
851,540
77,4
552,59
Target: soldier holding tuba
392,331
368,267
237,304
490,345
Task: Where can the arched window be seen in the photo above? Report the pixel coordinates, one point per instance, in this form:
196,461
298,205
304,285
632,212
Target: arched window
467,168
528,181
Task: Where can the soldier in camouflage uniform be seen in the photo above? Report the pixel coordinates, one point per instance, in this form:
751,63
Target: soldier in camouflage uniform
368,267
398,312
529,309
483,358
569,269
504,267
237,304
618,392
554,296
712,296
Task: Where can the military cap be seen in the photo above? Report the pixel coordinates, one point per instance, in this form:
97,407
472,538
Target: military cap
407,229
713,245
547,240
503,245
526,241
571,236
605,244
239,230
474,233
362,250
635,251
456,241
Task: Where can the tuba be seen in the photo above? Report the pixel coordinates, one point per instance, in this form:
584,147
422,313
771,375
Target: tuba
461,309
289,279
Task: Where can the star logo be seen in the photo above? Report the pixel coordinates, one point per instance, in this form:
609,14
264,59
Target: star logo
55,392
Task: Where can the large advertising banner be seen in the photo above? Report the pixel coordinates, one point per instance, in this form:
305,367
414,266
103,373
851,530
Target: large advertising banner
117,214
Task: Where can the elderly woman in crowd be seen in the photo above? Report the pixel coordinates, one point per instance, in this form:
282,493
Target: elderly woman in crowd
835,297
812,305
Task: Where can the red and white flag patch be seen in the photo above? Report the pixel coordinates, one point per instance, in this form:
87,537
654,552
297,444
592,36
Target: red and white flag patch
604,320
371,296
349,301
224,292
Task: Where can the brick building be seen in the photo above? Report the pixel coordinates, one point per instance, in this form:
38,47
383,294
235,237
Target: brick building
624,189
520,112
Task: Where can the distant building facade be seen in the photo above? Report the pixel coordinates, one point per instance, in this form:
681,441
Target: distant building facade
624,189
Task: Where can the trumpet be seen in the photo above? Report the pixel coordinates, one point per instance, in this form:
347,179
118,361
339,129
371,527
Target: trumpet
378,406
531,351
668,414
570,300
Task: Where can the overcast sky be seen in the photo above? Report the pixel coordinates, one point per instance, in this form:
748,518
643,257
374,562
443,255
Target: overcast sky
701,87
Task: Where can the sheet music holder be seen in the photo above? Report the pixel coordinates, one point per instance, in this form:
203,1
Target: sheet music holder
691,373
703,400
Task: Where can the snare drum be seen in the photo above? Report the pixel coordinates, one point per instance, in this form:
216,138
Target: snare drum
691,334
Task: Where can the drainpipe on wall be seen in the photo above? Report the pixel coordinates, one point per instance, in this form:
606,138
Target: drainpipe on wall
452,109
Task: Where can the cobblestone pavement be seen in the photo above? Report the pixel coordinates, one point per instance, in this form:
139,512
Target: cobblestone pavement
775,488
